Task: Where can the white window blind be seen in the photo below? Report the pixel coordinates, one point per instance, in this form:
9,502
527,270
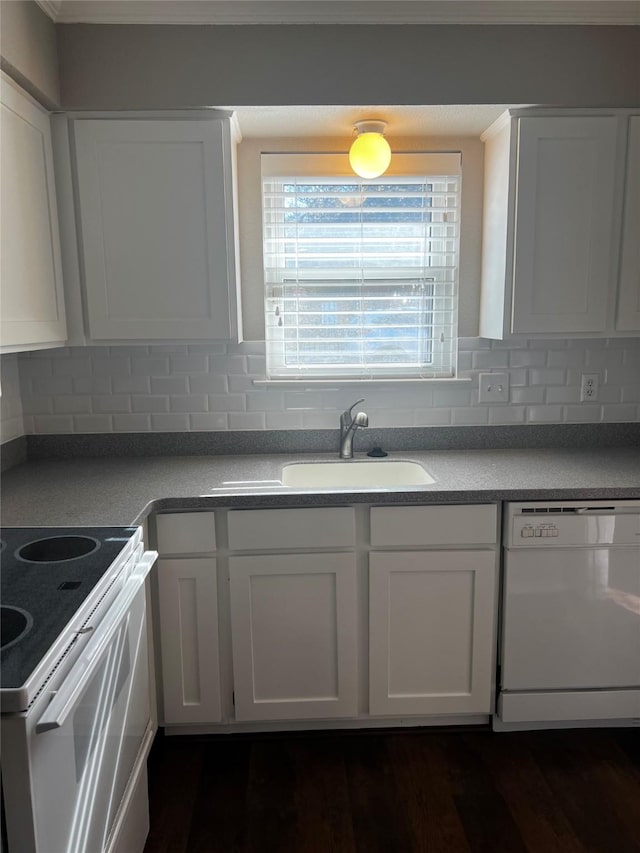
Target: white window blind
360,276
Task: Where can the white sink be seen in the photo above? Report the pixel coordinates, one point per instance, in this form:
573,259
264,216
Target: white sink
355,474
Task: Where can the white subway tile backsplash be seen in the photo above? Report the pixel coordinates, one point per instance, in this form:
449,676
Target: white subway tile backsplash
131,423
189,403
74,366
149,403
506,414
209,421
469,415
149,366
94,385
210,387
247,420
73,405
206,383
108,404
551,376
170,423
227,403
169,384
544,414
131,385
52,423
92,423
188,363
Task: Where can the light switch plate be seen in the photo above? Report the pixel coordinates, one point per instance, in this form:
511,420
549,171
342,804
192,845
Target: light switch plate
493,388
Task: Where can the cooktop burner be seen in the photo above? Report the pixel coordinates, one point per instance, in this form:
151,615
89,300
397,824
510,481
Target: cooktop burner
47,573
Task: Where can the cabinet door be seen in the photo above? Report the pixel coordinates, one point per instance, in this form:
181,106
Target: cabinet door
628,318
293,626
31,276
189,640
156,228
563,226
431,640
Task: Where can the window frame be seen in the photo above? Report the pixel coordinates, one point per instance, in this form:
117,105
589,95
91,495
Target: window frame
331,167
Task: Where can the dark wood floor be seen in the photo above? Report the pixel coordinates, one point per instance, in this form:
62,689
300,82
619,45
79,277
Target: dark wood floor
397,792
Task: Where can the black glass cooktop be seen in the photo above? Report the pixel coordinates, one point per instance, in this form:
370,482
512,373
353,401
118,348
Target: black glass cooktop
47,573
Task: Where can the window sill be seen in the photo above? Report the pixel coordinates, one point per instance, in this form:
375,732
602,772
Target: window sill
331,383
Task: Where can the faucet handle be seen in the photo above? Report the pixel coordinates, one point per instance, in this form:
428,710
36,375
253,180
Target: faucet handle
352,407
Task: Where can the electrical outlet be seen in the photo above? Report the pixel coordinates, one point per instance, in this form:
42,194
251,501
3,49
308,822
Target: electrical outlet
493,388
589,387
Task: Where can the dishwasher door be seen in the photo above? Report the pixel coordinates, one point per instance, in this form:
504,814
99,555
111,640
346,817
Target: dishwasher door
570,639
571,619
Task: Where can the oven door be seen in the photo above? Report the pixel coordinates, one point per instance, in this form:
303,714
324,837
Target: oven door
84,746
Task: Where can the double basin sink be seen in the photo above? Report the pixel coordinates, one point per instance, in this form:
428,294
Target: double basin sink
357,474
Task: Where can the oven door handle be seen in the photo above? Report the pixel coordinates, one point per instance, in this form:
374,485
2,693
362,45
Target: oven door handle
66,699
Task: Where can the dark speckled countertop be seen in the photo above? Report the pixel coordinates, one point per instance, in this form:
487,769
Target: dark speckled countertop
123,491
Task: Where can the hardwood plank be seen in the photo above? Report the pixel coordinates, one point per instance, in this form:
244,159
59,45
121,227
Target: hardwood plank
533,805
379,816
322,797
174,770
219,821
485,816
572,776
271,807
424,783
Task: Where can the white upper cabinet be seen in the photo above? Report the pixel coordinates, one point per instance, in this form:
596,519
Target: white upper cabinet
628,314
156,228
552,213
31,275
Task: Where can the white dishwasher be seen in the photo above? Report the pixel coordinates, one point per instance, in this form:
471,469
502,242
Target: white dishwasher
570,639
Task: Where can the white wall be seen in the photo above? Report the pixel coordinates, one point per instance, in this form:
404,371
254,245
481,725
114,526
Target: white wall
210,387
11,421
29,49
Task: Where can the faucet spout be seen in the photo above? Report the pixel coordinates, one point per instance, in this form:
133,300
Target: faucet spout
348,427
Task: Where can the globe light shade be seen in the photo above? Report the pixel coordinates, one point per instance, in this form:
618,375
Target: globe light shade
370,154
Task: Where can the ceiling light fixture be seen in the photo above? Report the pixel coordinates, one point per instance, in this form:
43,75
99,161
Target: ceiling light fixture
370,154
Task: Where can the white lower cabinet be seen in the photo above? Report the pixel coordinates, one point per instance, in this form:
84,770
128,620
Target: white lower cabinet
294,632
188,602
431,632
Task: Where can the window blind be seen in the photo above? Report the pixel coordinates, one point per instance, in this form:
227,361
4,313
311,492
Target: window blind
361,276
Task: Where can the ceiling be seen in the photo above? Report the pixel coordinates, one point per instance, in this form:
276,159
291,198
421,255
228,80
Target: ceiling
610,12
338,121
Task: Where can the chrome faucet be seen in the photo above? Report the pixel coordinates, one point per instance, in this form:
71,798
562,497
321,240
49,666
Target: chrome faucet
348,427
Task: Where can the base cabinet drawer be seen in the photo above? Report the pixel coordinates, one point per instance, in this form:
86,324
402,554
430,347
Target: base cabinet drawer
431,632
293,627
186,533
408,526
188,602
275,529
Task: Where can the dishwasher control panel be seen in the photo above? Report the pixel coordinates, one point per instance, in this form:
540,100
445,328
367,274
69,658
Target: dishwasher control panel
569,524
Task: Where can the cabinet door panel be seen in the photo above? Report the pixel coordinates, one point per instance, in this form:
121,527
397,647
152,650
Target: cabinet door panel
189,640
431,632
293,624
31,274
628,318
563,226
153,208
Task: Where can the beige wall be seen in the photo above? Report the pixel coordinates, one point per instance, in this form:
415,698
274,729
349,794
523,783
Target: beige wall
29,50
143,66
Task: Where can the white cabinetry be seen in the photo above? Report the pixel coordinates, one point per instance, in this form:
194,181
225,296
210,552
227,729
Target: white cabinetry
156,227
188,609
628,316
432,612
293,626
32,295
293,615
552,215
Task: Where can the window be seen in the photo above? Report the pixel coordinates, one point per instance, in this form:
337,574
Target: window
360,276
